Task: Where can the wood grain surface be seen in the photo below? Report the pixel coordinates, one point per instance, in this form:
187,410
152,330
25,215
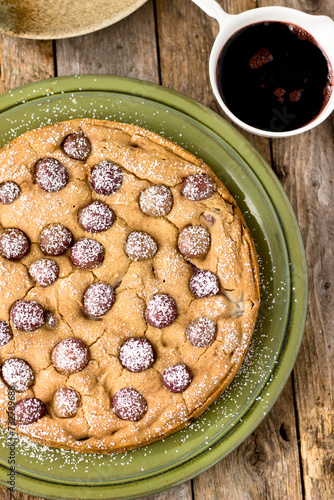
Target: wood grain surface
290,455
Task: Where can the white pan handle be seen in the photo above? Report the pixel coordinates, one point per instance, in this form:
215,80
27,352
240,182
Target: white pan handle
213,9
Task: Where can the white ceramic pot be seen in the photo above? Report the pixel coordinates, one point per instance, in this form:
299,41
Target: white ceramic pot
320,27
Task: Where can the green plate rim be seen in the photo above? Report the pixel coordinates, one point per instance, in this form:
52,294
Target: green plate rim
290,229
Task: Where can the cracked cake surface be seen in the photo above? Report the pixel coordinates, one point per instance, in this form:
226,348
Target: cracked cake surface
129,285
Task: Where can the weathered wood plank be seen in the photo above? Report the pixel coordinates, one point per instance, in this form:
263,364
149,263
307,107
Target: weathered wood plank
266,465
305,165
127,48
4,493
24,61
186,36
182,492
22,496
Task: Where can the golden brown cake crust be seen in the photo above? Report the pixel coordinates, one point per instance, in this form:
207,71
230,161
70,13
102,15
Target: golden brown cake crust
145,159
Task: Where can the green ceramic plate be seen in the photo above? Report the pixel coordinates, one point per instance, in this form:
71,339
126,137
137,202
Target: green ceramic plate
54,473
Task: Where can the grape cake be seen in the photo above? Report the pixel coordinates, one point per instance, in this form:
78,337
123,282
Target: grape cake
129,286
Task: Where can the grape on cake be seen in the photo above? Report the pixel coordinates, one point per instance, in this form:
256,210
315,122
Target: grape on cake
129,286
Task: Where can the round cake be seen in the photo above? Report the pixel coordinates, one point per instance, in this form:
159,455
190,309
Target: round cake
129,286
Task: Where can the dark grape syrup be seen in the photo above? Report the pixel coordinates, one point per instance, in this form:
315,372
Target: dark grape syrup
274,76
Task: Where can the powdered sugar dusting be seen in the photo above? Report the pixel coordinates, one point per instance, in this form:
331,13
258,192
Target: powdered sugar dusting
70,355
156,201
14,244
194,241
9,192
198,187
51,321
77,146
27,315
106,178
55,239
66,402
17,373
87,253
136,354
129,404
204,284
5,333
44,271
140,246
96,217
29,410
98,299
176,378
51,175
161,310
201,332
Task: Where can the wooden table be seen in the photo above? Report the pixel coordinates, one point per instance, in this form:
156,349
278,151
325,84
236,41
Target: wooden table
290,455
